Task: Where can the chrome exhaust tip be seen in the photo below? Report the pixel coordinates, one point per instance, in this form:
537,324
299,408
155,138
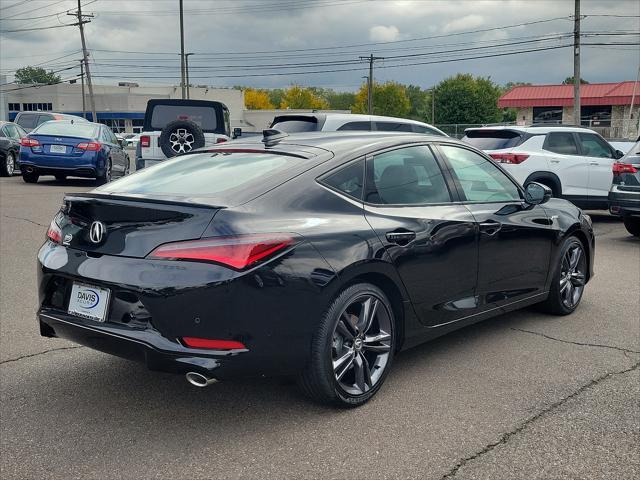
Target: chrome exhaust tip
199,380
29,169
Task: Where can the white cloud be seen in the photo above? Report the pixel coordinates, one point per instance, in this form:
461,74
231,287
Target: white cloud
380,33
464,23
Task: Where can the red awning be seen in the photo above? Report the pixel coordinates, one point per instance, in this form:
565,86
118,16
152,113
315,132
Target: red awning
562,95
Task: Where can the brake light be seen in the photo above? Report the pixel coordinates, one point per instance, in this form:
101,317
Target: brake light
54,233
221,140
237,252
29,142
513,158
619,168
145,141
195,342
89,146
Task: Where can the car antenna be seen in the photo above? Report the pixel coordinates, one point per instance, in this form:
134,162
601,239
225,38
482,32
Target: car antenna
272,136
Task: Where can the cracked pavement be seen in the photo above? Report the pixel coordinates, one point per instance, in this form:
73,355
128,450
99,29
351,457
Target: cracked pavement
521,396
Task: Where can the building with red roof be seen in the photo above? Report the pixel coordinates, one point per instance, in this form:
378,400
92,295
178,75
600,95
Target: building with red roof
604,106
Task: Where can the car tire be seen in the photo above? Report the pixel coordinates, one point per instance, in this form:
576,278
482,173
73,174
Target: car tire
8,166
569,279
632,224
30,177
351,352
181,136
106,176
61,177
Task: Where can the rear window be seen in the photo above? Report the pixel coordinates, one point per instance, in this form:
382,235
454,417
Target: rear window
81,129
633,155
295,125
27,120
224,175
204,117
493,139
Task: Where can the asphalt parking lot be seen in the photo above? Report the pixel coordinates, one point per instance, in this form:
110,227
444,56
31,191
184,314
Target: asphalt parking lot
521,396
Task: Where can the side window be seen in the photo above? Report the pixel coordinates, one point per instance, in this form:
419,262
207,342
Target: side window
561,142
4,132
393,127
407,176
27,120
12,131
361,126
348,180
594,146
481,180
427,130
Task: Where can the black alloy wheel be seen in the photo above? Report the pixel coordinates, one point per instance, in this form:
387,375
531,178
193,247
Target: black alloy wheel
569,280
353,349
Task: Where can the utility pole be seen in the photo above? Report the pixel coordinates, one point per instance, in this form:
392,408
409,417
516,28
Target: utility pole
433,106
186,67
371,59
182,58
576,64
85,56
84,107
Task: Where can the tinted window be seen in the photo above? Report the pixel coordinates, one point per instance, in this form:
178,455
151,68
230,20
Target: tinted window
20,131
407,176
80,129
561,142
393,127
296,125
493,139
360,126
27,120
44,118
481,180
12,131
348,180
204,117
594,146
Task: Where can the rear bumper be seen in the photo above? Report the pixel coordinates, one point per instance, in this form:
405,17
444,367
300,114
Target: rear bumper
89,171
624,203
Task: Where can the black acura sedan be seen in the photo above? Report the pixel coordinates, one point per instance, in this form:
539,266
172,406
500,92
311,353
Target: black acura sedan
315,255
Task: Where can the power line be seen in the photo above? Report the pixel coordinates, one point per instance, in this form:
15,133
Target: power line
34,9
14,5
38,28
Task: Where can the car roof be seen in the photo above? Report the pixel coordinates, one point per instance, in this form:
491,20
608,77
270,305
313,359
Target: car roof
534,129
351,117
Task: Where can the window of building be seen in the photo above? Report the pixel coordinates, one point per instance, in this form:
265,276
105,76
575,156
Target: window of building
14,107
596,116
551,115
115,124
36,107
137,124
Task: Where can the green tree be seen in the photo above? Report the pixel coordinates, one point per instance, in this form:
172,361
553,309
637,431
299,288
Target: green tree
302,97
420,101
276,95
569,81
336,100
36,75
467,99
389,98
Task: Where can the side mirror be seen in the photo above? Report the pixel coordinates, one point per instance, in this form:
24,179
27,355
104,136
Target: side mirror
535,193
618,154
237,132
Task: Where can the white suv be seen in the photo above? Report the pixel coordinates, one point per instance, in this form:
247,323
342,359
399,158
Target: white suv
574,162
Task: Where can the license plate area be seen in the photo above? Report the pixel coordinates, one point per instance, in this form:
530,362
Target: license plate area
58,149
89,302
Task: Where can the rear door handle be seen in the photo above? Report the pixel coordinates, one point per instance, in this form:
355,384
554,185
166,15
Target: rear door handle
401,237
490,228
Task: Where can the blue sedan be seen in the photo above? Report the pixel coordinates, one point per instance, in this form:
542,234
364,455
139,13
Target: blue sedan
68,148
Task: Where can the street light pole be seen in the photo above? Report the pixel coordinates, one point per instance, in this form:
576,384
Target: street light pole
182,65
576,64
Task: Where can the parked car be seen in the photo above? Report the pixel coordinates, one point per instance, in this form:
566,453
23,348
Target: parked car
174,127
30,120
68,148
132,139
624,196
574,162
10,135
334,122
316,255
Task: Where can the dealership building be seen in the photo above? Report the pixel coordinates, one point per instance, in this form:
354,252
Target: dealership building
610,108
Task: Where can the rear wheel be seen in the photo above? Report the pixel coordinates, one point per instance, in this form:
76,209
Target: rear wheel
106,176
30,177
9,165
632,224
352,350
569,279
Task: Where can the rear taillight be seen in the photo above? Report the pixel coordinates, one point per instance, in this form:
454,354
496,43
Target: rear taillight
89,146
514,158
619,168
145,141
237,252
29,142
54,233
208,343
221,140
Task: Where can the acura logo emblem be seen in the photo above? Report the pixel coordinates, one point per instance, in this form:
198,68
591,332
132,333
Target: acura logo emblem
97,231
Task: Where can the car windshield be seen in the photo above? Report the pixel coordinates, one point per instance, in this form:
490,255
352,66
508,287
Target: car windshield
492,139
66,129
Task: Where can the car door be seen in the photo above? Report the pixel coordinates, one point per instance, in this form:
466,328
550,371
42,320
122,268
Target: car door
567,163
430,239
515,239
601,157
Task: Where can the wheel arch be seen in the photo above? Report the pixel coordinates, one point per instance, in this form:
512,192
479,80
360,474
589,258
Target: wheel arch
546,178
575,231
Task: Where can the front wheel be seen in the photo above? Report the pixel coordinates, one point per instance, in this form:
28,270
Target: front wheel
9,165
352,351
106,176
569,279
632,224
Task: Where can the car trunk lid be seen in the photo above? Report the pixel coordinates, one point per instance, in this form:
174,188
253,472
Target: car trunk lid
59,145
